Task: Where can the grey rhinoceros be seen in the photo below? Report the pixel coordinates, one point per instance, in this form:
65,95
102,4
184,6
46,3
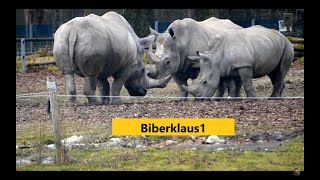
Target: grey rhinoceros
97,47
182,39
237,56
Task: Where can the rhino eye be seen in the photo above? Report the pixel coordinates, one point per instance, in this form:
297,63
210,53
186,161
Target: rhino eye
168,61
143,69
204,82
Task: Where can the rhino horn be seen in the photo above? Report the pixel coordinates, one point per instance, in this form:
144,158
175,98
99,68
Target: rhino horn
158,83
153,58
188,89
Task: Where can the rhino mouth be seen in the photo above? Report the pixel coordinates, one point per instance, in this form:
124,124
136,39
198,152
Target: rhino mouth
138,92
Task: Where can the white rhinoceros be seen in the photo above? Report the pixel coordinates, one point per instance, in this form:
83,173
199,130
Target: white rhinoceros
237,56
181,39
97,47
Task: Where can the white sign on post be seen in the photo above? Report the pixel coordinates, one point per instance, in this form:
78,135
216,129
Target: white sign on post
282,28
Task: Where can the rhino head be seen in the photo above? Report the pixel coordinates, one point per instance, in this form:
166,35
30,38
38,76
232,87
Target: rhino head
139,82
208,80
166,59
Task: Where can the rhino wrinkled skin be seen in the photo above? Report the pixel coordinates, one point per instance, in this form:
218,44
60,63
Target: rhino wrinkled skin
97,47
182,39
238,56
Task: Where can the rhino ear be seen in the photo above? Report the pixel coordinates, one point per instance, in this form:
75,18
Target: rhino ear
171,33
195,60
147,40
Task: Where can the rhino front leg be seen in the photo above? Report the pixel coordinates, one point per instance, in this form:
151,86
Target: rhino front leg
221,88
234,87
115,91
245,74
104,88
90,84
70,89
181,81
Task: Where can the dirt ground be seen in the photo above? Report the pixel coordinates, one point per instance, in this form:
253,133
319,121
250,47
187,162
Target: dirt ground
250,116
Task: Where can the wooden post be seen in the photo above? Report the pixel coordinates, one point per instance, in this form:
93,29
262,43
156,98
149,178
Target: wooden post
55,119
23,55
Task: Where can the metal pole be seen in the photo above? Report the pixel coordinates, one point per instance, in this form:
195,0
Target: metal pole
23,53
31,36
156,26
55,119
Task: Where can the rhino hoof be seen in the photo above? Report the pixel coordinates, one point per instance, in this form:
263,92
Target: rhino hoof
116,101
105,101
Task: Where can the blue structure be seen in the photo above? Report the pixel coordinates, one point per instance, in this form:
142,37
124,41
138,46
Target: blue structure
39,30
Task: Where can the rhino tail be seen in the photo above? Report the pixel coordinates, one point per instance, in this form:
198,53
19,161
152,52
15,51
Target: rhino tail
72,43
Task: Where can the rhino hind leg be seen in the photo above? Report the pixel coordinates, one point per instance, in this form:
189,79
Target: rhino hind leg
104,88
245,74
70,89
277,79
90,84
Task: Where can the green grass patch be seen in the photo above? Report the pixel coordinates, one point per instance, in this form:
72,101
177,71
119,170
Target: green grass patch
294,39
301,60
286,158
298,46
53,68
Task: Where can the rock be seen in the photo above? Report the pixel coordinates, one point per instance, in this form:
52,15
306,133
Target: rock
72,139
140,146
48,160
256,137
129,145
115,140
214,139
22,161
51,146
170,142
278,136
219,149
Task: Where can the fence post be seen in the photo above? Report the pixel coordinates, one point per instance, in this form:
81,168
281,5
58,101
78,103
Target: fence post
31,36
23,54
253,22
55,119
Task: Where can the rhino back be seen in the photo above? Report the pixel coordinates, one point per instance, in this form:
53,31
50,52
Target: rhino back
103,46
257,47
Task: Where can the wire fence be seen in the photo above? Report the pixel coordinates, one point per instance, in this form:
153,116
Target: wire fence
33,45
46,94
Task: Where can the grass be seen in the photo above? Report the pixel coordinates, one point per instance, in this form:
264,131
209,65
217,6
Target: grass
53,68
286,158
298,46
291,38
301,60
